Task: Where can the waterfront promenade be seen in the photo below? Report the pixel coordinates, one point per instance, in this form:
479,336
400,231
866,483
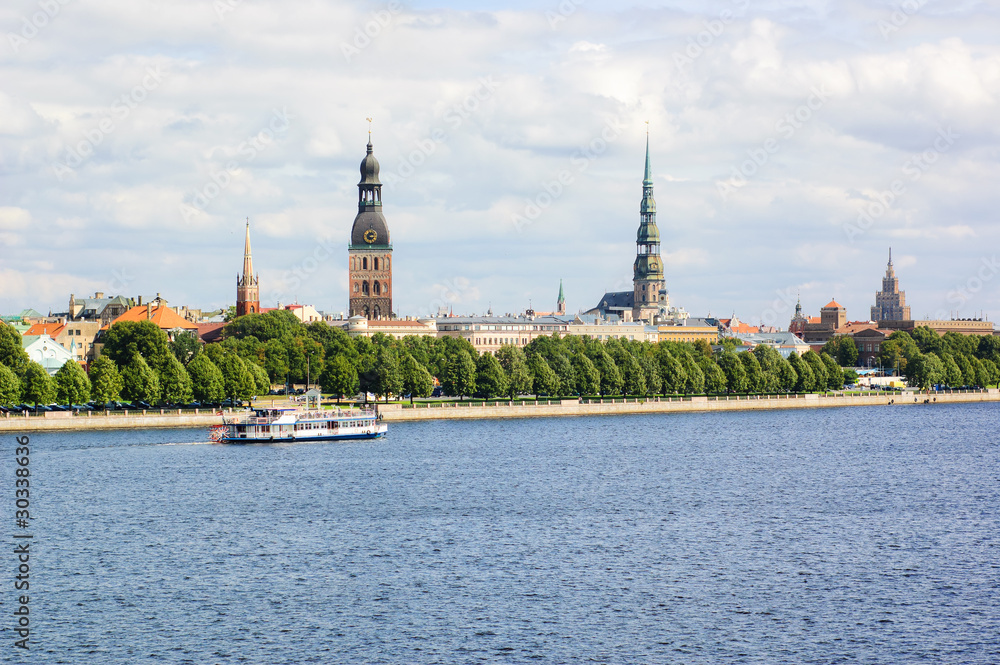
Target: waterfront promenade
398,412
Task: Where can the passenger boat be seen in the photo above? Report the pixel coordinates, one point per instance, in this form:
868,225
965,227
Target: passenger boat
271,425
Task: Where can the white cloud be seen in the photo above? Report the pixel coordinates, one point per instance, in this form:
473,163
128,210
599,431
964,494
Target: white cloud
556,88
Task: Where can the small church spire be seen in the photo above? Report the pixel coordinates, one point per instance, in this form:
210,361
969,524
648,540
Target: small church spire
247,257
647,178
248,285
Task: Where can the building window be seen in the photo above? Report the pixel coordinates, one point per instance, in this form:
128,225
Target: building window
375,263
364,288
377,287
356,287
364,263
385,288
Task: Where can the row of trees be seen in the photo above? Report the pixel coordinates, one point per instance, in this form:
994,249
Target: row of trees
138,363
258,350
926,358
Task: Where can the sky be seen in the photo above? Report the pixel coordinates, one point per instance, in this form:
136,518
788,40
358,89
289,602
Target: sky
792,144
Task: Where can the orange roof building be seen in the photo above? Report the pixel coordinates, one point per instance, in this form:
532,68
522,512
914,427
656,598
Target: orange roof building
162,316
50,329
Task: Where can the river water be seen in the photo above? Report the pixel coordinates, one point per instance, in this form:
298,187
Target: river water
854,535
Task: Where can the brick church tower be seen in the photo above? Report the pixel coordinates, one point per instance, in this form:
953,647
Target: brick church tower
247,286
370,253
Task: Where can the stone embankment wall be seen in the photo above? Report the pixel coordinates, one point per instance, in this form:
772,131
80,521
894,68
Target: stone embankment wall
543,408
56,421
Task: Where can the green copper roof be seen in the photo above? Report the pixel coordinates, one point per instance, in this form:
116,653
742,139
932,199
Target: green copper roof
648,177
562,298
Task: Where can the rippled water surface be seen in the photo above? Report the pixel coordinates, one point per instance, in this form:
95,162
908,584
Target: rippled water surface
865,535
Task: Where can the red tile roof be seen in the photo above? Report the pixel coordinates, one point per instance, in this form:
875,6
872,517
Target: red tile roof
50,329
164,317
210,332
833,304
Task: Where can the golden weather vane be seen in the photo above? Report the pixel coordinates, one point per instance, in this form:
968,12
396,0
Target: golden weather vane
369,126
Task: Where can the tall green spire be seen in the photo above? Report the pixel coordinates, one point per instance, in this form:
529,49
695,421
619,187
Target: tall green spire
561,298
647,179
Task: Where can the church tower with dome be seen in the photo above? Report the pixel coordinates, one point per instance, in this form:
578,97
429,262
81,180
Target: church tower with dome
649,294
370,253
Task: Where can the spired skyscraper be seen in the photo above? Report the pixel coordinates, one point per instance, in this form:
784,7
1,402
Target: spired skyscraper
648,298
890,302
370,252
247,286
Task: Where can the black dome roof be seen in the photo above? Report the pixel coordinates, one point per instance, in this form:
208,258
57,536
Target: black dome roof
369,168
369,219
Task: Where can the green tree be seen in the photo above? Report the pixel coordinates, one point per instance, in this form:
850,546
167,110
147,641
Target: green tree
850,376
588,378
694,377
788,378
755,376
37,387
175,383
261,381
927,340
818,369
72,384
139,381
843,349
388,379
460,377
984,372
611,377
715,378
991,373
105,380
968,370
237,381
805,380
207,384
928,370
987,347
10,387
276,324
126,338
768,360
702,347
515,368
651,374
417,380
276,360
12,353
490,378
736,375
544,379
952,374
633,376
672,374
185,346
834,374
339,377
563,368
